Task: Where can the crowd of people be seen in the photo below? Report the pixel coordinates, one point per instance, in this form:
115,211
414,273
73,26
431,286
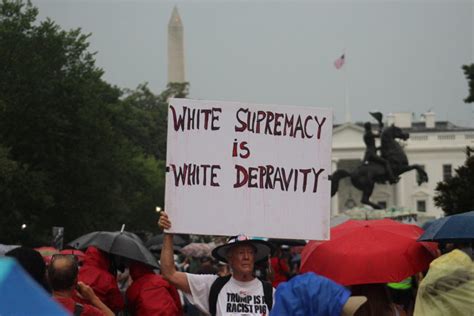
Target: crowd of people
92,287
240,279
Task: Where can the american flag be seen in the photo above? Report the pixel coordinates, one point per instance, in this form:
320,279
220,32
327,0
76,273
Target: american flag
340,62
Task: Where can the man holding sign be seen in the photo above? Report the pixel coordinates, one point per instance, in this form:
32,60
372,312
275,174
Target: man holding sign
241,293
260,169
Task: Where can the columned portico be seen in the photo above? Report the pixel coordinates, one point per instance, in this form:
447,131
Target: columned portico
399,194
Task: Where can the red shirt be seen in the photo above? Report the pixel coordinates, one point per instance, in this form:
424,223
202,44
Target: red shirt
70,304
150,294
280,270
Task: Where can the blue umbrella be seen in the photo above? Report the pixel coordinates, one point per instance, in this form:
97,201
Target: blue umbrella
21,295
454,228
427,224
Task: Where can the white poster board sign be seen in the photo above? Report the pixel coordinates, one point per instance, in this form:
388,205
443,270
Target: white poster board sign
237,168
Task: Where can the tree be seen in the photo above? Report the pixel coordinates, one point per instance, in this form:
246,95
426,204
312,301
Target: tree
151,113
22,197
469,73
73,153
454,195
142,118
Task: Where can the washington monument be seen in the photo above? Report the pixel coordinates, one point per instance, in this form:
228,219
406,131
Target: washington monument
175,48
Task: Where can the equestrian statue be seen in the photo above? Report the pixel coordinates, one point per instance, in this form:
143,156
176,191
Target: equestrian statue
383,168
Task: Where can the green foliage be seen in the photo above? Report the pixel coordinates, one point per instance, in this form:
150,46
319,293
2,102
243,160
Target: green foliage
74,151
175,90
469,73
455,195
22,197
150,132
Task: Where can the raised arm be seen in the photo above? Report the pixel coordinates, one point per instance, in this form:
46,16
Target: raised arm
88,294
168,269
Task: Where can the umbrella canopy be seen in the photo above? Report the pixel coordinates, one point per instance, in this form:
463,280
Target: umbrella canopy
124,244
47,253
427,224
287,242
198,249
77,253
6,248
157,240
89,239
454,228
374,251
156,249
21,295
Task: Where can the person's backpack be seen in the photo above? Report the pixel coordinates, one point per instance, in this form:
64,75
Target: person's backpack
219,283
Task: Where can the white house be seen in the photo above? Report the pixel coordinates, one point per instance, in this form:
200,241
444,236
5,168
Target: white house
439,146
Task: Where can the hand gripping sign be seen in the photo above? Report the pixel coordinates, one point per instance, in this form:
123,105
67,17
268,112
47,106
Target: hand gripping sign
260,170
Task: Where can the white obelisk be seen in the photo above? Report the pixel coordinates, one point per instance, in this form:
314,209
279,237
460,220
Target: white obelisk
175,48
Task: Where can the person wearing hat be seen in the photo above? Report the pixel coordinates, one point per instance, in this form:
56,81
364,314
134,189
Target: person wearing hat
240,293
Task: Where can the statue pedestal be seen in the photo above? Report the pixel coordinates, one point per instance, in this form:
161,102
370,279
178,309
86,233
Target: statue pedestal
398,214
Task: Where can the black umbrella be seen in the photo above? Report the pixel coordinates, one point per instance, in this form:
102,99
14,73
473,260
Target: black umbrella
124,244
157,240
86,240
156,249
287,242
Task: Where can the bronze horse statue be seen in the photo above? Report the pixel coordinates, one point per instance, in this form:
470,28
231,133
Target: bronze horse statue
367,174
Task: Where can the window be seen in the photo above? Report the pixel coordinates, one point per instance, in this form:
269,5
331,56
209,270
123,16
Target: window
421,206
419,137
418,180
383,204
446,137
447,172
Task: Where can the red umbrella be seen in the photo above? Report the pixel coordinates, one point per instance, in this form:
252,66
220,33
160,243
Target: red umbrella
47,253
77,253
373,251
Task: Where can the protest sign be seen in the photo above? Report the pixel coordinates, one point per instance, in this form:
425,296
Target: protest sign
259,170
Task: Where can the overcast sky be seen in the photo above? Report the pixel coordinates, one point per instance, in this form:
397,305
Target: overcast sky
401,56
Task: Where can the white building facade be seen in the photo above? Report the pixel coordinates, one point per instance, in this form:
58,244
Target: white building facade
440,147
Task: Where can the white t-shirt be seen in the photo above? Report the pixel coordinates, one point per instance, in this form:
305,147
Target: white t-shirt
235,298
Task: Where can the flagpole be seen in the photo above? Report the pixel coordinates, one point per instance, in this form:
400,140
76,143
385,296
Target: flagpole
347,109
